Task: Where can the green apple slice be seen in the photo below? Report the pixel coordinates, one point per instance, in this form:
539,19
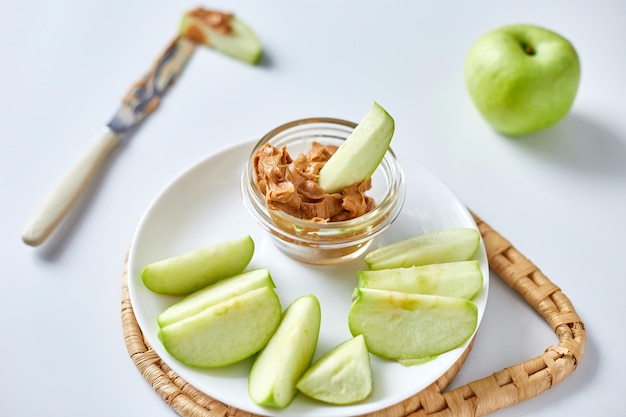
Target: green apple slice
189,272
216,293
281,363
343,375
462,279
437,246
226,332
240,42
402,326
359,156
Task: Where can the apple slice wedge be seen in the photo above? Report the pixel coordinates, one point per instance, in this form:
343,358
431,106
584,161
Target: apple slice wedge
403,327
281,363
226,332
223,32
437,246
462,279
216,293
342,376
358,157
189,272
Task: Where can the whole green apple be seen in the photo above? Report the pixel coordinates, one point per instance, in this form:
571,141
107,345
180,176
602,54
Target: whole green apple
522,78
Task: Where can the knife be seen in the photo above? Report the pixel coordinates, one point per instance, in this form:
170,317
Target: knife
140,101
220,31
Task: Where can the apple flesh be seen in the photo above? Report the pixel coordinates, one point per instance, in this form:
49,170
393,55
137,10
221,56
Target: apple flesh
522,78
404,327
281,363
462,279
225,333
216,293
189,272
358,157
437,246
343,375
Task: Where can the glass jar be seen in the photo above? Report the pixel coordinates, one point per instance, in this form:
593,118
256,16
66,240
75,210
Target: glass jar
331,242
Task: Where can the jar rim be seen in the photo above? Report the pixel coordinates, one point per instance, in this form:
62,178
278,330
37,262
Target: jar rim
300,122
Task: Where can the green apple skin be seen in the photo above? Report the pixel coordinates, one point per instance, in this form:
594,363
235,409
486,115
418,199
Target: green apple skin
278,367
358,157
342,376
417,361
405,327
216,293
189,272
522,78
462,279
437,246
226,332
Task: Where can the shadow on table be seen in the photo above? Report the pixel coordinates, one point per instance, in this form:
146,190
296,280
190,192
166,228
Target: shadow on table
579,143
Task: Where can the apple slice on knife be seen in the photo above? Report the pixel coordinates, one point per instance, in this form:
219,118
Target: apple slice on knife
223,32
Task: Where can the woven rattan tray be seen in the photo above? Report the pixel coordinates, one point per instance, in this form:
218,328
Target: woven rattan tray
501,389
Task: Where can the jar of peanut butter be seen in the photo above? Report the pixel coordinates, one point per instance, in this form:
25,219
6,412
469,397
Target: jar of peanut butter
279,189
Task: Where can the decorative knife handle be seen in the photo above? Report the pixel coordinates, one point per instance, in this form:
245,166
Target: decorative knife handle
63,197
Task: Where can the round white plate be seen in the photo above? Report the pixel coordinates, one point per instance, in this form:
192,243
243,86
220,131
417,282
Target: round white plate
203,207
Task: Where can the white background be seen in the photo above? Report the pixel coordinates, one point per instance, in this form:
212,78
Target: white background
559,195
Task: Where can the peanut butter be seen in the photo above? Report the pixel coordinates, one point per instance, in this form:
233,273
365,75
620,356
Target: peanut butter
290,185
218,21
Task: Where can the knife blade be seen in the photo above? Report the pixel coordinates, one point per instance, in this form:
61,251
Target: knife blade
140,101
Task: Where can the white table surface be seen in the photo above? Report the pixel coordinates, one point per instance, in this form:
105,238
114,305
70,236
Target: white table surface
559,195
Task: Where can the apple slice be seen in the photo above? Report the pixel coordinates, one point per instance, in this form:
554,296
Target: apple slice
461,279
189,272
223,32
359,156
281,363
437,246
402,326
226,332
343,375
216,293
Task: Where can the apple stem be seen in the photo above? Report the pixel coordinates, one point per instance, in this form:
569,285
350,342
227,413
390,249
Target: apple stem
528,49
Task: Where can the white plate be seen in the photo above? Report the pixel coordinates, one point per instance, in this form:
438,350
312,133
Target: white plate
203,206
